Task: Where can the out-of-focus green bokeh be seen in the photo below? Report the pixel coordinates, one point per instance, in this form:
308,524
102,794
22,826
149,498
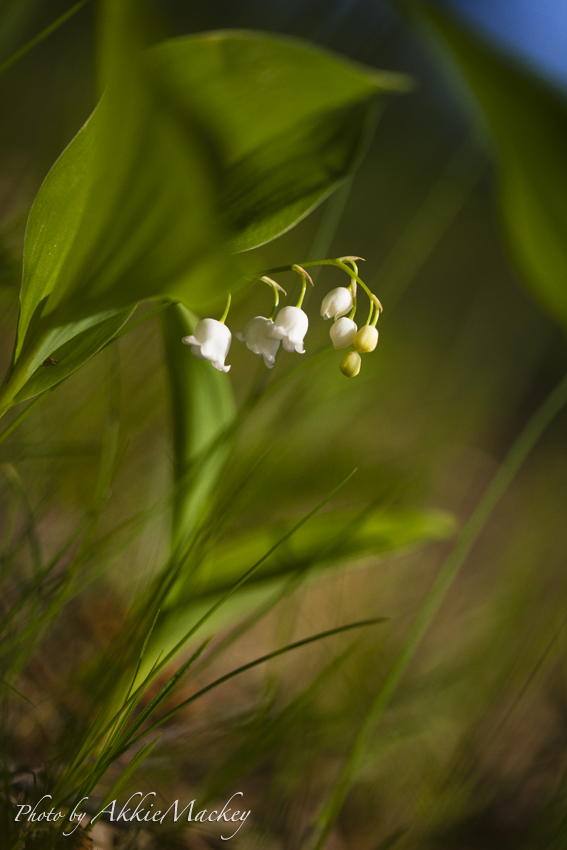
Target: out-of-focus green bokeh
471,752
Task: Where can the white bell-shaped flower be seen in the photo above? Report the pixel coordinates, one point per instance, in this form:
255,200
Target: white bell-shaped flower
257,335
338,302
211,341
342,332
291,326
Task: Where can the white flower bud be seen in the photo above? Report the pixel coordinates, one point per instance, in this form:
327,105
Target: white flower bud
342,332
350,364
366,339
257,336
291,326
211,341
338,302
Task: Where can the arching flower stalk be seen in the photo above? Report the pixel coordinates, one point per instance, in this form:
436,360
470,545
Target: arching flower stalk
289,325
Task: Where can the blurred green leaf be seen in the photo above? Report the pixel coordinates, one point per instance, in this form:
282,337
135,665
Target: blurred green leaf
293,120
150,225
73,354
331,540
52,226
328,540
203,408
529,122
276,186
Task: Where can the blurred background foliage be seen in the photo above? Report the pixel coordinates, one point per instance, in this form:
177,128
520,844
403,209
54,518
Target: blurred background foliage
471,751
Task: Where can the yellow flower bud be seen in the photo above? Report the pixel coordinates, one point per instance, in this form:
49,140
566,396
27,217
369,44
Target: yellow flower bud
350,364
366,339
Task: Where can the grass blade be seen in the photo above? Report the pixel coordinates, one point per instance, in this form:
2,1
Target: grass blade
502,479
250,665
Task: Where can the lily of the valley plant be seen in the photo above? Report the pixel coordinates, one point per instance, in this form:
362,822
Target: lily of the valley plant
211,339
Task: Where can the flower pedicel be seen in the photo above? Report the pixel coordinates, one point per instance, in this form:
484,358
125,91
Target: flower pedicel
288,326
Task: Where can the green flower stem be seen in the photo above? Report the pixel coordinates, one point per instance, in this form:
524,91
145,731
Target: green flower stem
304,278
352,313
276,303
276,290
339,264
354,265
226,309
369,319
378,311
425,616
303,290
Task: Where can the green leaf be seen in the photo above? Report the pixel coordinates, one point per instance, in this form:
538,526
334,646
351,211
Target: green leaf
203,408
73,354
276,186
529,123
329,539
332,540
293,120
150,227
127,213
52,225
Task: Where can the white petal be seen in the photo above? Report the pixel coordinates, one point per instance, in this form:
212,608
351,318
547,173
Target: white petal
342,332
211,341
338,302
219,364
291,326
196,352
257,335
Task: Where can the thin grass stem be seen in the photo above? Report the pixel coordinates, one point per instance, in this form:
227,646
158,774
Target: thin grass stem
251,664
37,39
433,601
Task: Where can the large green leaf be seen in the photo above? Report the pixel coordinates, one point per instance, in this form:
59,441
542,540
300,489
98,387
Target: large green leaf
52,225
292,120
529,122
128,212
274,187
